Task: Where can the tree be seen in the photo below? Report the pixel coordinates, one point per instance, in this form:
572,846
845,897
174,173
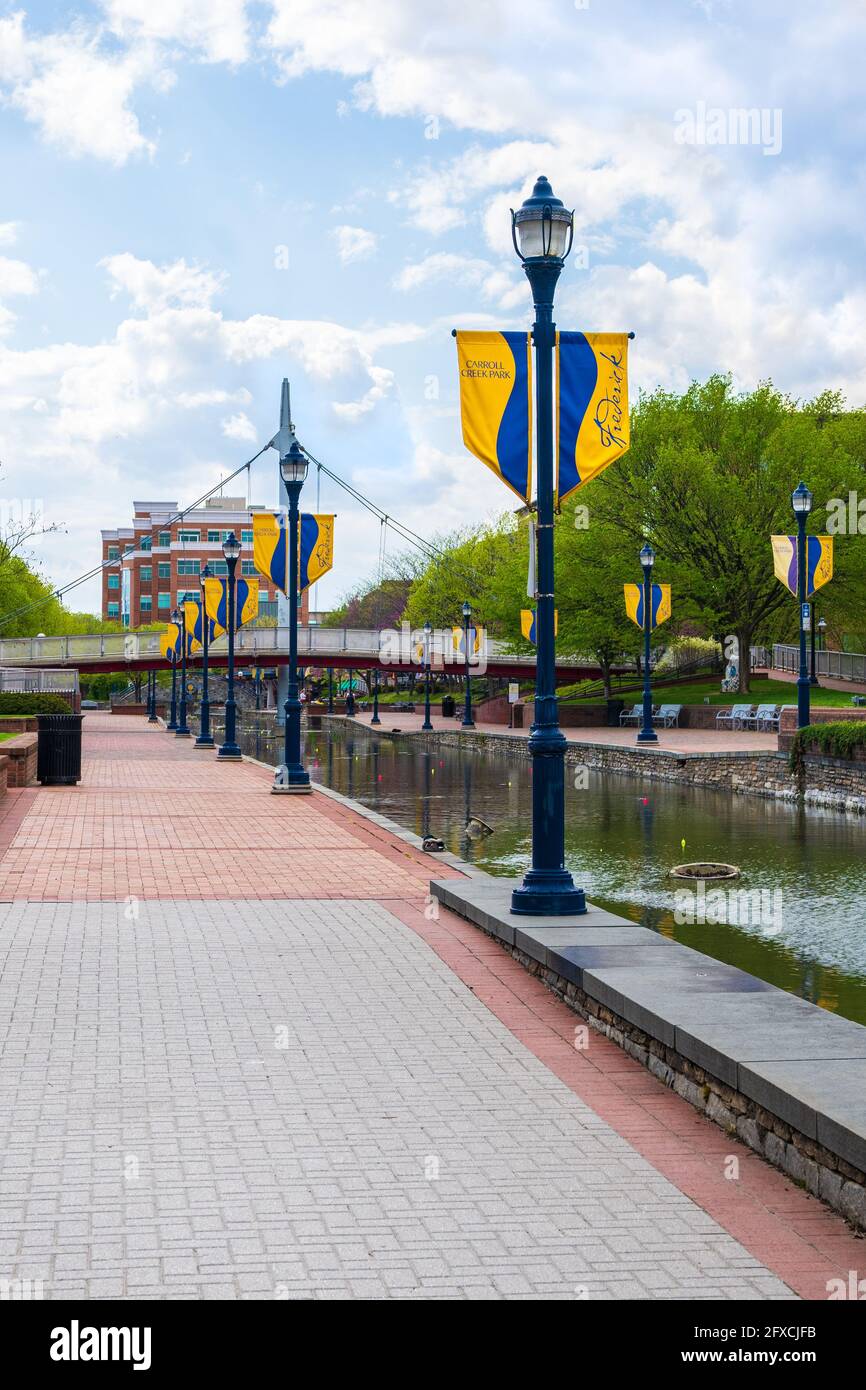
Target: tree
708,480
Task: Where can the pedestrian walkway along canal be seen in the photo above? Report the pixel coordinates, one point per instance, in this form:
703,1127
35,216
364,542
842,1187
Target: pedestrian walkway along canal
243,1059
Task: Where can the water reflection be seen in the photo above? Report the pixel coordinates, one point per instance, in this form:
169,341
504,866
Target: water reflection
623,836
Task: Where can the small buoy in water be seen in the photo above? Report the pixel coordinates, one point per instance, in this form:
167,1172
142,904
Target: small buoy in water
645,800
682,844
475,828
431,845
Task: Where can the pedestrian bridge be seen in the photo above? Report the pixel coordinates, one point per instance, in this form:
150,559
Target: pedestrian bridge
360,648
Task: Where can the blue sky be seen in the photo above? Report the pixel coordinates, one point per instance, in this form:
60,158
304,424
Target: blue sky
163,159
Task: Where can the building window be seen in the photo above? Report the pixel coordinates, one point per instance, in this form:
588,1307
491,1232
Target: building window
191,537
248,567
146,542
129,547
125,620
113,552
218,568
246,537
114,581
145,574
165,538
145,603
188,595
188,566
114,610
163,569
213,537
163,600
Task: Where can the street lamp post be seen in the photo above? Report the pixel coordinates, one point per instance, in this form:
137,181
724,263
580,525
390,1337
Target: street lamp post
205,737
229,749
542,231
179,617
171,726
428,635
822,629
293,470
819,627
151,713
647,733
375,719
801,501
468,721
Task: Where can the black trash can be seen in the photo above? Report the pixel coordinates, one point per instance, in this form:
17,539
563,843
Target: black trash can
58,753
448,707
614,710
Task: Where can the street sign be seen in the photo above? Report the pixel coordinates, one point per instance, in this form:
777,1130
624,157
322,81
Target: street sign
806,611
513,692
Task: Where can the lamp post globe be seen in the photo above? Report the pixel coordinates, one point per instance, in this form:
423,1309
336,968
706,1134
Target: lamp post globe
801,502
229,750
542,230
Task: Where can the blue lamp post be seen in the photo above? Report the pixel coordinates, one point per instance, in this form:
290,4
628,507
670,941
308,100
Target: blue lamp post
375,719
542,231
293,471
205,737
468,721
151,712
801,501
428,637
647,733
171,726
179,617
229,749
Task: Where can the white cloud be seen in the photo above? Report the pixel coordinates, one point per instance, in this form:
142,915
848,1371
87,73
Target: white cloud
489,280
239,427
153,287
76,92
354,243
218,29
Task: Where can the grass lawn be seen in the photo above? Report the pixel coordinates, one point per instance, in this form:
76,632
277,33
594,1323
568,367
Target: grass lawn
763,692
3,737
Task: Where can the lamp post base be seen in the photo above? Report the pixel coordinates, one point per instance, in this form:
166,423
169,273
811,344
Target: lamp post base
229,752
647,736
291,779
182,733
204,741
297,790
548,894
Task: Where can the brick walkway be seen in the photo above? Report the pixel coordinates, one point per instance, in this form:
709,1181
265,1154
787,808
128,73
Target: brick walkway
292,1080
676,740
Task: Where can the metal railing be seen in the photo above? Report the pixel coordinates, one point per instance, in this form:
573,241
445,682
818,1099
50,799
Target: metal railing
843,666
26,680
130,647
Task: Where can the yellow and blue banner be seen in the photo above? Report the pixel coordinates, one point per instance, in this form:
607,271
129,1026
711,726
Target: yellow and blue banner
661,603
192,621
819,562
317,547
216,602
458,641
496,404
592,423
271,547
170,644
529,624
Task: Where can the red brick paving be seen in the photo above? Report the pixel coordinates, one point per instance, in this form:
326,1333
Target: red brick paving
154,818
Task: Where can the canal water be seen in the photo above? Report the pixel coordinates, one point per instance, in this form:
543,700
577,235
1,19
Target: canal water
797,917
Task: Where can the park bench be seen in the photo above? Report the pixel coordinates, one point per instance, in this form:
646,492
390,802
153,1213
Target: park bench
766,717
633,715
736,717
668,716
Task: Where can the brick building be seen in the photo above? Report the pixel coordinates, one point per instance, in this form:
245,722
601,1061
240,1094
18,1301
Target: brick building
155,563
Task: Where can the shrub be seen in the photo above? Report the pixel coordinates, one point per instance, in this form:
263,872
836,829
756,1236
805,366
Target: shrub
839,739
683,651
11,702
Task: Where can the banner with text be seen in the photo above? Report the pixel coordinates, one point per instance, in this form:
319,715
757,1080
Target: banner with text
661,603
496,404
592,424
819,562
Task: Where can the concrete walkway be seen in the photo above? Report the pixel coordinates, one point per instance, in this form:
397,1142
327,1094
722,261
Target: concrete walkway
676,740
245,1056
